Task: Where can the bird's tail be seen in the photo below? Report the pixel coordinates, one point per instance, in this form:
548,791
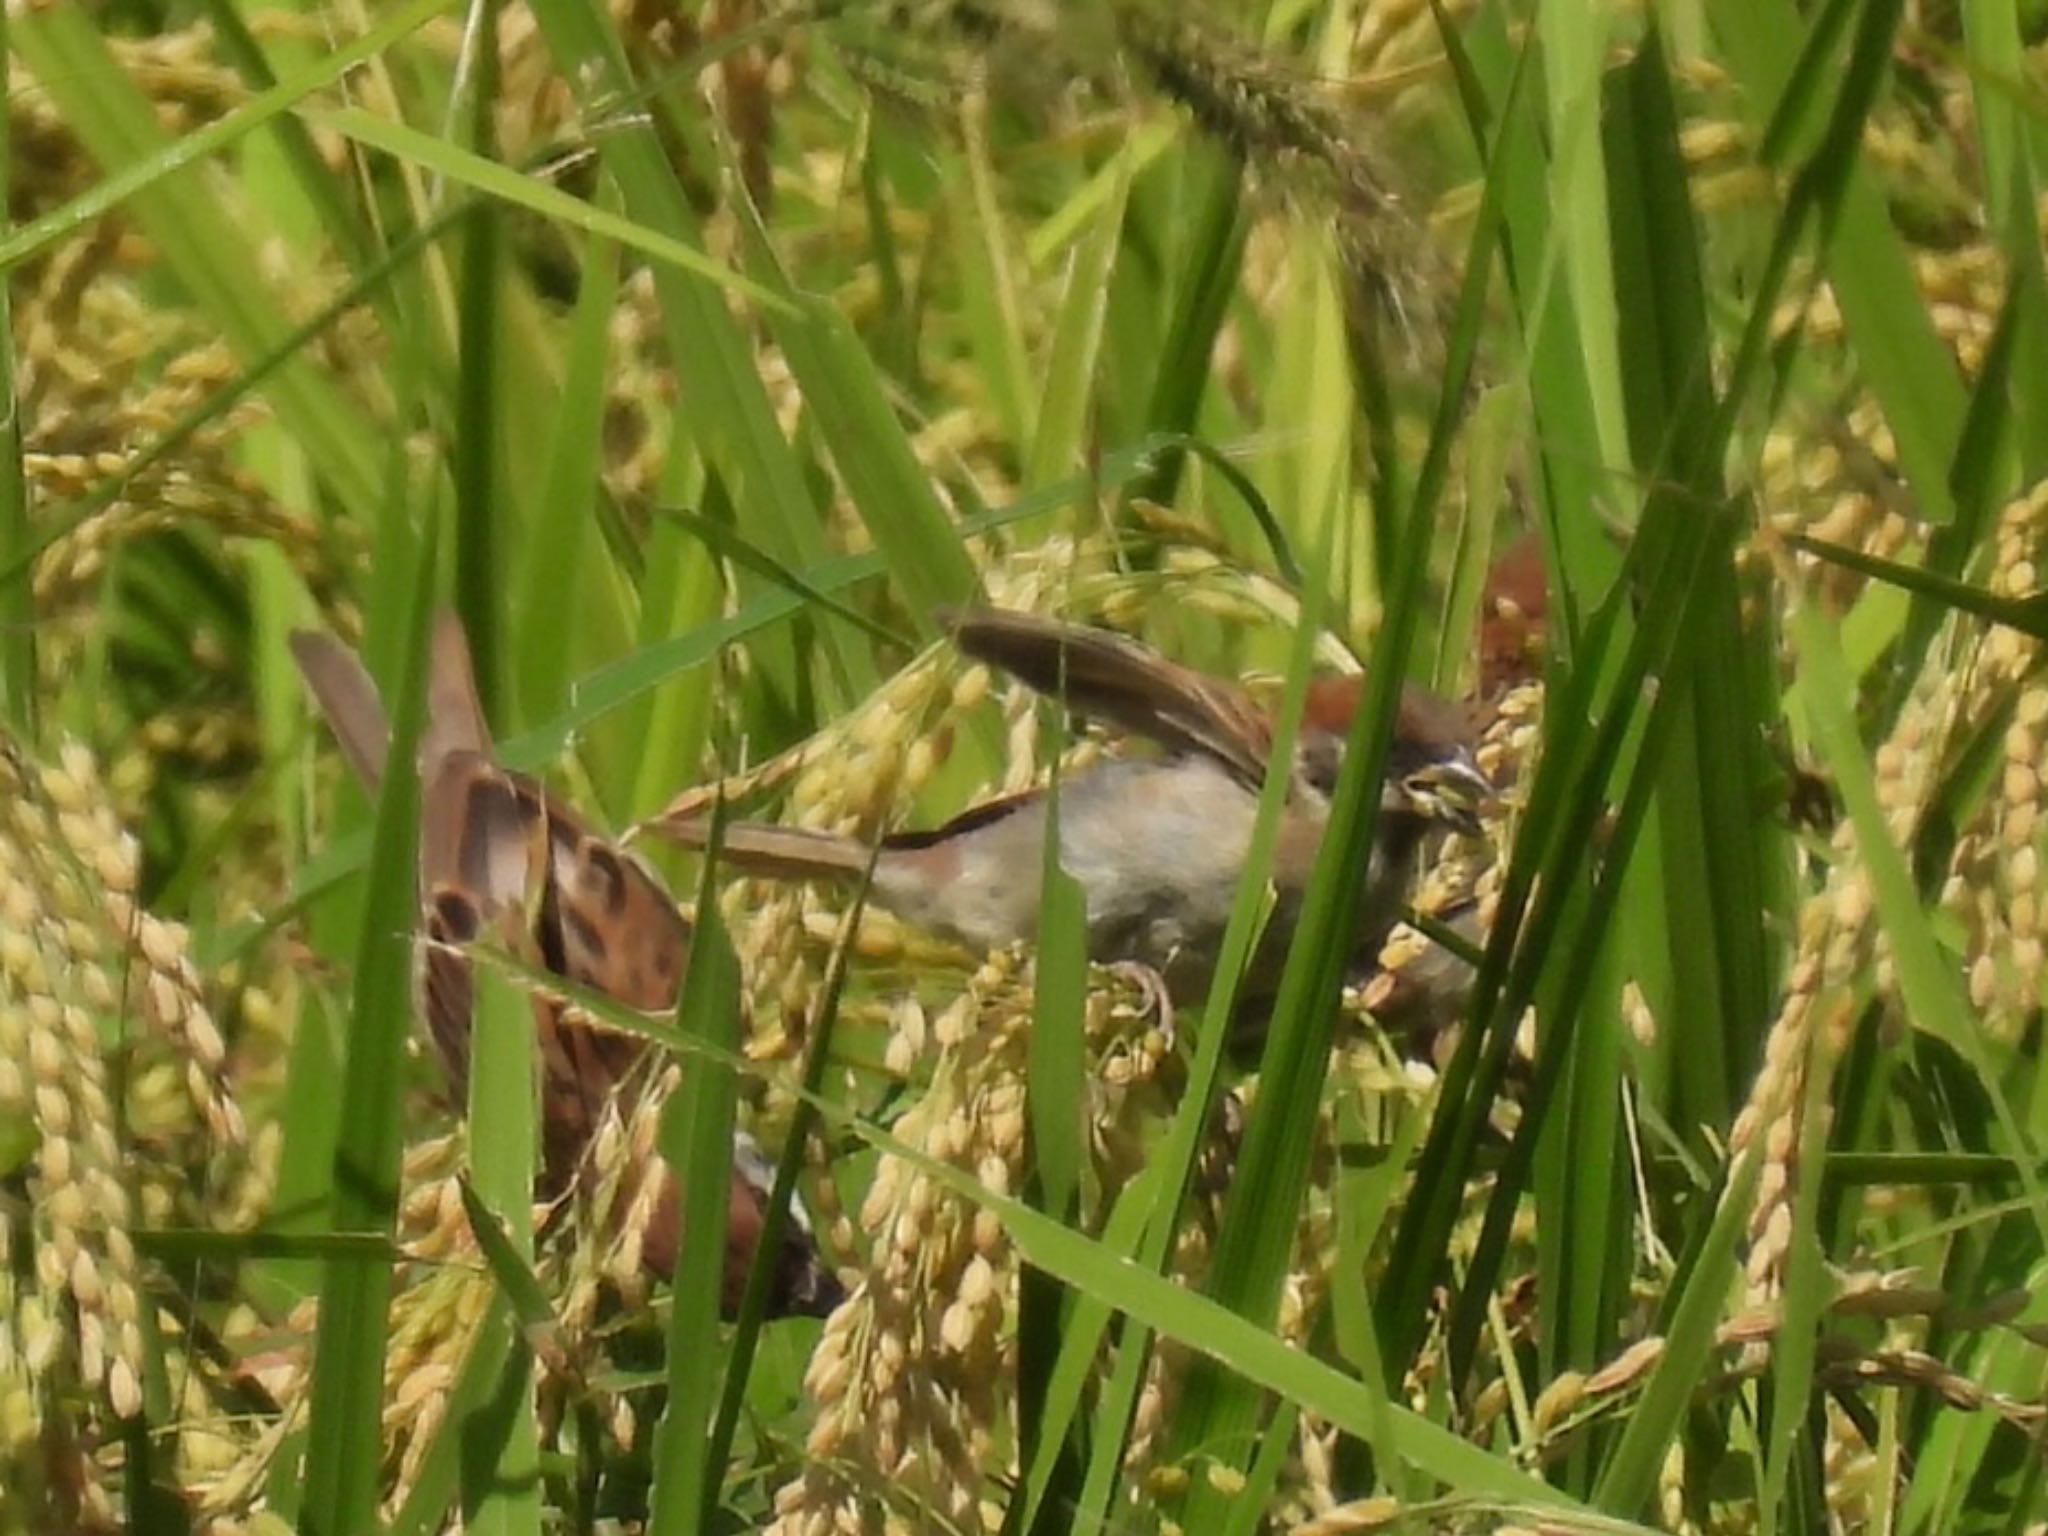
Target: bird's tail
780,853
348,699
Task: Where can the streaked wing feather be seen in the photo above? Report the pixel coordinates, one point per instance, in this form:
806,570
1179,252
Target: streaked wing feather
1112,678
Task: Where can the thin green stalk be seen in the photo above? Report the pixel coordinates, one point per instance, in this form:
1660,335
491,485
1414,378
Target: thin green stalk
17,538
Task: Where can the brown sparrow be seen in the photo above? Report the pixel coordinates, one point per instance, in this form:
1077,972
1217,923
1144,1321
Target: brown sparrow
1157,843
1514,616
498,852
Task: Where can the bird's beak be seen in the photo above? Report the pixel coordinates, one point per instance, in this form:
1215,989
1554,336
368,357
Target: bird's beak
1452,791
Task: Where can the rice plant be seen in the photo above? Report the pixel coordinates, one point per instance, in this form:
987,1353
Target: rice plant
509,1016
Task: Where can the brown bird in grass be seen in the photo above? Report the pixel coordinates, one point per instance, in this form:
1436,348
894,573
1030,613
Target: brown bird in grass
1514,617
499,853
1157,843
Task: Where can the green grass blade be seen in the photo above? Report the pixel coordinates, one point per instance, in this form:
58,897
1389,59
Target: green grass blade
1064,403
1712,850
1043,1488
500,1464
17,535
730,419
564,575
1056,1074
1630,1476
868,444
436,1486
310,176
982,243
2029,615
1575,41
1206,266
726,543
1976,481
697,1143
345,1449
1572,470
1257,1232
1056,1091
775,1223
536,196
214,260
1177,1155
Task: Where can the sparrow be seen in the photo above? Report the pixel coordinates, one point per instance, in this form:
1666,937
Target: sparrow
1157,843
498,853
1514,617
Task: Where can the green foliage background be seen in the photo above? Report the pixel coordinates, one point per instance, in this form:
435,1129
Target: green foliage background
696,355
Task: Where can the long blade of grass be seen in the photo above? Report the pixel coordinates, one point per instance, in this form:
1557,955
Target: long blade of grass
697,1143
345,1445
478,555
866,440
2029,615
776,1219
983,242
1177,1155
726,543
1974,480
17,537
1207,262
436,1486
1069,390
535,195
501,1460
565,575
1630,1475
1257,1232
1043,1489
1056,1089
1572,471
730,419
310,176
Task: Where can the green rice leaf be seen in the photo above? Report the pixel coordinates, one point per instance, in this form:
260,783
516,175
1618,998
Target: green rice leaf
696,1140
529,192
345,1442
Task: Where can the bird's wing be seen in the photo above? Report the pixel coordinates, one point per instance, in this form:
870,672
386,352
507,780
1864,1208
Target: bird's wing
1112,678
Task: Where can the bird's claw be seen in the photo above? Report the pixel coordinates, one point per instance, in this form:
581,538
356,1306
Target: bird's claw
1156,1001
